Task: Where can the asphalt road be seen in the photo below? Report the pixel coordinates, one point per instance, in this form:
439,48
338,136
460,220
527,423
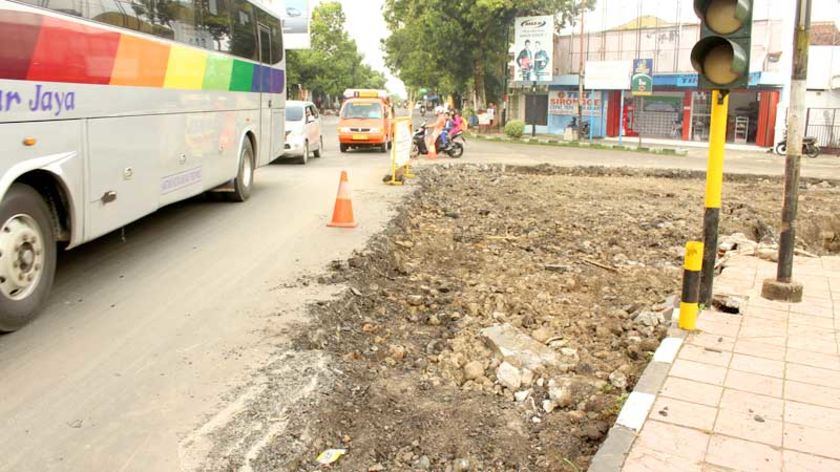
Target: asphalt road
151,334
144,336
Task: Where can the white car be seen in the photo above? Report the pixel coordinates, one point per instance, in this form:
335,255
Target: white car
303,131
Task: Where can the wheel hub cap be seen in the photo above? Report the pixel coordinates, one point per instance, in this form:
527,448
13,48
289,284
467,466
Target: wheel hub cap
21,256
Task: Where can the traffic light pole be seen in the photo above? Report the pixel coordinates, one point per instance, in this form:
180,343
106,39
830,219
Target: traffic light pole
783,288
714,187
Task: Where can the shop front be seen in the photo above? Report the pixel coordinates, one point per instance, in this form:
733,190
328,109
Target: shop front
563,110
678,110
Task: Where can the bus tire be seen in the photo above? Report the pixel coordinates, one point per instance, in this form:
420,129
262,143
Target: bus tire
27,256
245,176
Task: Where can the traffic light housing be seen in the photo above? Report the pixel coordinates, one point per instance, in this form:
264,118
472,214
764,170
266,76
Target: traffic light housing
722,56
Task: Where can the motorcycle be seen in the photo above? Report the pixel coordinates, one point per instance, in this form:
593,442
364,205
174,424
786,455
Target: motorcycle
583,132
454,150
810,147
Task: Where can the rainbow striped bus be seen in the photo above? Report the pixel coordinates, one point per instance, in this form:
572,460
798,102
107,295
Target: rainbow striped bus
111,109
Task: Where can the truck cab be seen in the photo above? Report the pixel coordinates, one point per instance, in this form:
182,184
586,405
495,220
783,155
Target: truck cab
365,120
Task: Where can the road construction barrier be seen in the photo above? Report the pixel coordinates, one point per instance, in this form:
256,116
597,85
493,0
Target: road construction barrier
343,212
401,152
689,302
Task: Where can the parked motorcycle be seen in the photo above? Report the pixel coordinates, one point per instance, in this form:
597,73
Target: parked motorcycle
455,149
810,147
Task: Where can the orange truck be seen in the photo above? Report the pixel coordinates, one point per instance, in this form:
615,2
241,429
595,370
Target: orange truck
365,120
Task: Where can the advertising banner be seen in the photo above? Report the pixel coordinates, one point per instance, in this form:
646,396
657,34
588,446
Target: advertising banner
565,103
534,48
642,81
608,75
296,16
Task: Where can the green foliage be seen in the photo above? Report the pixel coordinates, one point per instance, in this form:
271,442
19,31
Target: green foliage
334,63
515,128
455,45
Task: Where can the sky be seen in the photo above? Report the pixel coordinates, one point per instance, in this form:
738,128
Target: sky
366,25
611,13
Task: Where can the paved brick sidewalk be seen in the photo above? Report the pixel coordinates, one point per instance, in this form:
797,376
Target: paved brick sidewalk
753,392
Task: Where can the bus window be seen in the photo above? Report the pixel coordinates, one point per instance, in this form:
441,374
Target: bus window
244,41
68,7
265,45
276,29
216,20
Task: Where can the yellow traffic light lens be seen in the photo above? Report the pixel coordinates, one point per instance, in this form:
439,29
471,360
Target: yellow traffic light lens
722,16
717,65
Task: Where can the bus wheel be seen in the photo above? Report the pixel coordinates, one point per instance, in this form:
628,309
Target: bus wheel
245,176
27,256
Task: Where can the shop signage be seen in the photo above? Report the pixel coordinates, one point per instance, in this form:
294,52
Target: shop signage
565,103
641,84
608,75
688,80
663,104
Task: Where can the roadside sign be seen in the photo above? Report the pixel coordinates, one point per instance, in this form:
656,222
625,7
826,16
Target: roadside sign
400,152
641,84
402,141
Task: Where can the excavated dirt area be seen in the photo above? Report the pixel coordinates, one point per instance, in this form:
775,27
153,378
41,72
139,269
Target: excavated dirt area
578,261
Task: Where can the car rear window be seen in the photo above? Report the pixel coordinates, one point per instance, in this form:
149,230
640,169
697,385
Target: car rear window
294,113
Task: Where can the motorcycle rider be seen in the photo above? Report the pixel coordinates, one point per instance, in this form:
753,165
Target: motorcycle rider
438,126
457,124
448,125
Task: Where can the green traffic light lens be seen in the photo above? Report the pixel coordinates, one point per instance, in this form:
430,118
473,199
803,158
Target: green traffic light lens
717,65
723,17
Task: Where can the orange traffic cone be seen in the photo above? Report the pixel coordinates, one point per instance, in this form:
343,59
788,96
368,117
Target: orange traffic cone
343,212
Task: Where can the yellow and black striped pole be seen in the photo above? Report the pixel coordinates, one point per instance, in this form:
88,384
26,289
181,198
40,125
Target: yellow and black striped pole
714,188
689,301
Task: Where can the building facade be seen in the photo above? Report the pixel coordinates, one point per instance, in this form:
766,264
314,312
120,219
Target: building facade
678,109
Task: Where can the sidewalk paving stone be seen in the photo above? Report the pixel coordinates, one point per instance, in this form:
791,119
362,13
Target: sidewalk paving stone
756,391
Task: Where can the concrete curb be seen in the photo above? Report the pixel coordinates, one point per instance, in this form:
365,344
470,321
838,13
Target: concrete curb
583,144
613,451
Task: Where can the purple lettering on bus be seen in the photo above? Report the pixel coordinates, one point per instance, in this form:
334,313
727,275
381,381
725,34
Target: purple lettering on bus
46,100
11,99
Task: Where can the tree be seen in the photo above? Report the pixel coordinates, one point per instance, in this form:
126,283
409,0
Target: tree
334,63
453,45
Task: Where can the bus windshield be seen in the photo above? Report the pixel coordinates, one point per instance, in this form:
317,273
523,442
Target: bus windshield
364,111
294,113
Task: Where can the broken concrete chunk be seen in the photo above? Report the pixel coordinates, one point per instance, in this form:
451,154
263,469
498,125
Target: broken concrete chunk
522,395
509,376
650,318
560,396
517,348
618,380
729,303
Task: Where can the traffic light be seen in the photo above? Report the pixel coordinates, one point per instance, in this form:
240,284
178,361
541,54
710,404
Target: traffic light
722,56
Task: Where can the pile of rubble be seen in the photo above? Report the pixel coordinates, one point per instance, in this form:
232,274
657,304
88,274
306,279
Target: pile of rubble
502,319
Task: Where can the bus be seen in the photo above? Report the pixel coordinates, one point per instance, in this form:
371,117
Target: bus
112,109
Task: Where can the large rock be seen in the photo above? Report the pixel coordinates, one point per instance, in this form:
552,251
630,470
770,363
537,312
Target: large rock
517,348
509,376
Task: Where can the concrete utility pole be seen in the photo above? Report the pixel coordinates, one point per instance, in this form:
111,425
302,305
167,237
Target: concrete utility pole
580,73
783,288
